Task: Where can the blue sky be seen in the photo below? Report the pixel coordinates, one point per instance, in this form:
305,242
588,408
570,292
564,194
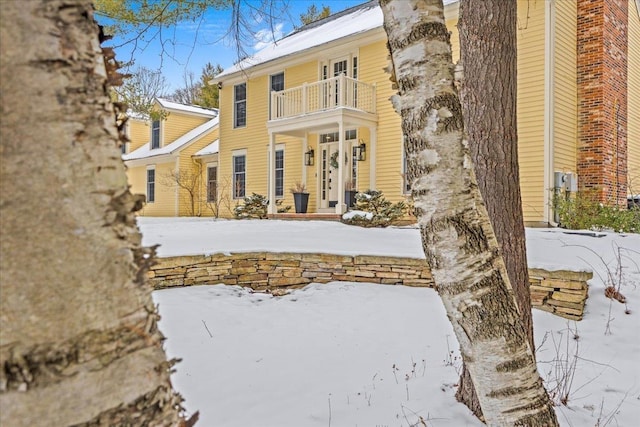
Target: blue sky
190,45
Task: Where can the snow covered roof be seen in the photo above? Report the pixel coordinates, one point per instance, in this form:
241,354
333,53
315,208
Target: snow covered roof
212,112
145,151
212,148
355,20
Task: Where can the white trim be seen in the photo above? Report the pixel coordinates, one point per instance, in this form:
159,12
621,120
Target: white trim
549,104
234,154
146,183
235,102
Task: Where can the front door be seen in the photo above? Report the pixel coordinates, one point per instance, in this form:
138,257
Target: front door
329,175
329,158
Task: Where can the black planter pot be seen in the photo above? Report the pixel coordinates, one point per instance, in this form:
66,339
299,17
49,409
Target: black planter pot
301,200
350,198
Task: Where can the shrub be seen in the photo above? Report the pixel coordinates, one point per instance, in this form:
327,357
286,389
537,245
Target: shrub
255,206
376,210
583,212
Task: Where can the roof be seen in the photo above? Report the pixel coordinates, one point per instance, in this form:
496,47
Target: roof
212,148
146,152
355,20
212,112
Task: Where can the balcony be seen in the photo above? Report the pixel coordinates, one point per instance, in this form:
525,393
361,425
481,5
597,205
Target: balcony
328,95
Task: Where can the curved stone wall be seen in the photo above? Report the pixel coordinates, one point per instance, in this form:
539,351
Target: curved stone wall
561,292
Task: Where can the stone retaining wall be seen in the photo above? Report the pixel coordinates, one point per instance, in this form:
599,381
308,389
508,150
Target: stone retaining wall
561,292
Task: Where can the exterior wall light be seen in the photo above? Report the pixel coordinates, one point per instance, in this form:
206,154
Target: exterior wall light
361,151
308,157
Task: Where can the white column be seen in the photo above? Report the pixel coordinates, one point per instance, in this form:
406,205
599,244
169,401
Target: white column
271,174
340,207
371,157
305,148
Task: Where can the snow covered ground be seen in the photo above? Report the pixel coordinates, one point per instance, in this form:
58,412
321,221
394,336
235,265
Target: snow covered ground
357,354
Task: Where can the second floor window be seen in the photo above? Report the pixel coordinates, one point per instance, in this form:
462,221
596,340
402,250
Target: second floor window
151,185
155,134
239,175
277,82
240,105
279,173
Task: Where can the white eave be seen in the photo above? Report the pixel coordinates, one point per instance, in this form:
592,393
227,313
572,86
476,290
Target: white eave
209,150
192,109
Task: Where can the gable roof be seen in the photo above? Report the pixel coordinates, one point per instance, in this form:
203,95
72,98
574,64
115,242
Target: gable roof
146,152
355,20
170,105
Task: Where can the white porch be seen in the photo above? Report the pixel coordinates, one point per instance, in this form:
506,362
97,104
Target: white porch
330,106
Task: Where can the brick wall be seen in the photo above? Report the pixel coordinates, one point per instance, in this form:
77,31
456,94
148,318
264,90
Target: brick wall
602,98
561,292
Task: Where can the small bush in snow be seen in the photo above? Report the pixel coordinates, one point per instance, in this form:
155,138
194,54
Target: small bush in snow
255,206
373,210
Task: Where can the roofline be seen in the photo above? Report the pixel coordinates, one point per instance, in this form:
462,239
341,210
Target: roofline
452,7
206,112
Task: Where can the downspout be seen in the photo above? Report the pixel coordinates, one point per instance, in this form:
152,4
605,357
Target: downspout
549,104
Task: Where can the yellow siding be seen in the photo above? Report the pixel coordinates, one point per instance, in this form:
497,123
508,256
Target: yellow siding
191,168
138,133
165,198
531,61
373,60
177,124
633,100
565,87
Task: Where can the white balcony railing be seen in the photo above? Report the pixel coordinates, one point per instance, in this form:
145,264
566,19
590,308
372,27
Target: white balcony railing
336,92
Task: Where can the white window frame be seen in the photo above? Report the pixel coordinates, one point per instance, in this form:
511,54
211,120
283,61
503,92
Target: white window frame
236,103
151,185
279,149
236,194
211,166
271,87
159,134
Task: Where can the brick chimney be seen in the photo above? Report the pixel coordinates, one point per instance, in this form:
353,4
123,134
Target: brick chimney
602,99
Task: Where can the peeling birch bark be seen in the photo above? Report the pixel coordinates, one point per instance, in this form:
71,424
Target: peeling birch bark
78,338
458,239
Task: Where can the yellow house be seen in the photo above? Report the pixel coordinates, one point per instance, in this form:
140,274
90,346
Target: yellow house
314,108
172,159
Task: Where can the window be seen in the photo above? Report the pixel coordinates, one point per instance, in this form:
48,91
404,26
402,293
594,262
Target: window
240,105
155,134
239,175
276,85
151,185
277,82
280,173
123,148
354,72
212,184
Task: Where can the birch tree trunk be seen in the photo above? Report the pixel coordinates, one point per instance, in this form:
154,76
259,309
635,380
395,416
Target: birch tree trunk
488,53
78,338
459,243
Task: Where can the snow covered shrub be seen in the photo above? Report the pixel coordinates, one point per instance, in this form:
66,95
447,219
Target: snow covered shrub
373,210
255,206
